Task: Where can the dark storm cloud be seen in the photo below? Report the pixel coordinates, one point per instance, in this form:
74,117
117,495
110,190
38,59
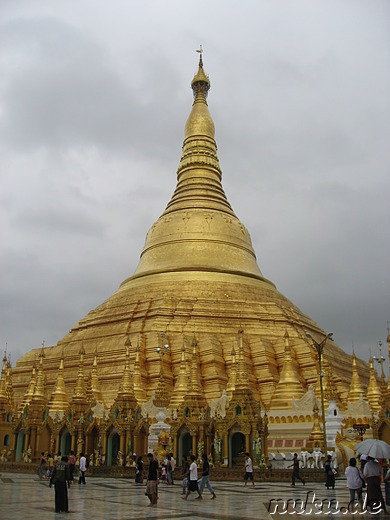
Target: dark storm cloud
93,103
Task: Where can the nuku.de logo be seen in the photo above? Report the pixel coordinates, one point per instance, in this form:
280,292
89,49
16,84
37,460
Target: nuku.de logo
312,505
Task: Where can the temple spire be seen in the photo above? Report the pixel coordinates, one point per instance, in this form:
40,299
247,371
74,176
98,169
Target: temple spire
231,384
139,391
374,394
31,387
195,385
181,385
127,380
60,400
198,217
39,391
289,384
95,385
355,388
3,380
80,392
242,378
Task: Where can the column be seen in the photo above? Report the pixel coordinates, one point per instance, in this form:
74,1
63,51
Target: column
225,447
104,447
248,446
194,445
175,449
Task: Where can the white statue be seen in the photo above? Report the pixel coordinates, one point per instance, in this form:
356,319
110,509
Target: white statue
306,403
218,406
149,409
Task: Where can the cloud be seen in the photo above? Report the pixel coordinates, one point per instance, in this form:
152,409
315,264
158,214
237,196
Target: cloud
93,102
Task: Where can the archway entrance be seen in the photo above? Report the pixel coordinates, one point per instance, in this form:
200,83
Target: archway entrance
113,447
19,445
65,443
185,445
237,450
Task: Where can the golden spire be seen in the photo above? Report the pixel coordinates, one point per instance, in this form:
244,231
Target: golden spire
356,388
181,385
231,385
30,390
95,385
80,391
9,387
198,217
195,386
39,392
289,384
330,391
139,391
374,394
242,378
3,380
316,438
60,400
127,382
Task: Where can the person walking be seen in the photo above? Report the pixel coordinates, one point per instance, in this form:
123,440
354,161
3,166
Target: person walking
330,472
185,467
295,473
72,463
193,479
50,464
61,480
205,481
169,470
355,483
82,468
139,471
41,471
248,470
151,484
373,474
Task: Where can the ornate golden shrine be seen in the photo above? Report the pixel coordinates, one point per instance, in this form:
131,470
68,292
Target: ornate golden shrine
196,285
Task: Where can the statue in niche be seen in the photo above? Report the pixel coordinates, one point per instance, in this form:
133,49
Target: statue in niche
345,446
218,406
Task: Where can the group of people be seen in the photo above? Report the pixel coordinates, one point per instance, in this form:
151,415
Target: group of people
47,464
190,483
369,475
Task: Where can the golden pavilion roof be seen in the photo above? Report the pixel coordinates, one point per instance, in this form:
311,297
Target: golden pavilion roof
197,276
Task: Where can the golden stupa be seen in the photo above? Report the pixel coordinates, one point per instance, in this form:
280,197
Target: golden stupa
196,285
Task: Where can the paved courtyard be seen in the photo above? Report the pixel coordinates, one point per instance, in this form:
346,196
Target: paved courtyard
24,497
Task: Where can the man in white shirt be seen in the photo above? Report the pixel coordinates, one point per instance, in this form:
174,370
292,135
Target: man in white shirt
248,469
193,482
82,468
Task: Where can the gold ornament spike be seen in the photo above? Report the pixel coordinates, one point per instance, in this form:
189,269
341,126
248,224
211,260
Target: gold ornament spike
138,385
374,394
3,380
289,384
39,391
80,392
242,378
231,385
355,388
59,400
30,390
195,385
181,385
95,384
127,383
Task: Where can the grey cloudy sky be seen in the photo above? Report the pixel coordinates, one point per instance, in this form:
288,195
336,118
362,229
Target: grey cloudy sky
94,96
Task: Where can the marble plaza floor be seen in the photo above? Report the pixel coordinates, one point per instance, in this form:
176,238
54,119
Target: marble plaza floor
25,497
